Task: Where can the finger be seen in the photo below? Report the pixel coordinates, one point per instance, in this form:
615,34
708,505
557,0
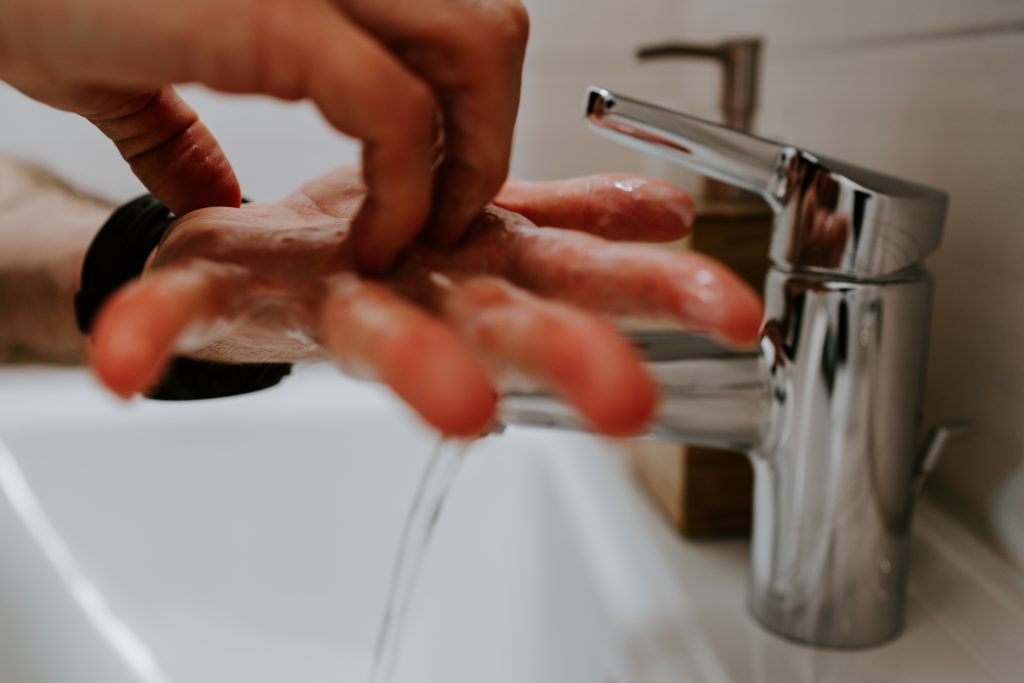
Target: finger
625,279
365,91
480,109
146,322
580,356
297,50
636,280
168,148
614,206
366,327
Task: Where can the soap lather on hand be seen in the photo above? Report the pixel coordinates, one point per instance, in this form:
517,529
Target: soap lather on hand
277,282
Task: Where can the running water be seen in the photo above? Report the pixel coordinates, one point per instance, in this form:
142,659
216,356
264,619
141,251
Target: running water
435,483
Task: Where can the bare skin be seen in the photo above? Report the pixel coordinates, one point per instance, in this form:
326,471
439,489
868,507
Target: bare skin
45,228
412,79
278,282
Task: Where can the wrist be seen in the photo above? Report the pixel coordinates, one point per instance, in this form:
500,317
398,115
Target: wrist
45,229
120,252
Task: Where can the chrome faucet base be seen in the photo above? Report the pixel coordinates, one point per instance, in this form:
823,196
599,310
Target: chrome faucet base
834,483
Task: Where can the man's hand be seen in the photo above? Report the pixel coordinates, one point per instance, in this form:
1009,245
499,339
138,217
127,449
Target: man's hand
385,72
277,282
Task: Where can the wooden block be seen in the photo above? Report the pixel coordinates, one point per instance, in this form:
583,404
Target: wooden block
737,234
703,492
659,466
717,492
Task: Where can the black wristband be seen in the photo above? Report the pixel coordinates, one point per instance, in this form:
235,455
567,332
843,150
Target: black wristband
118,254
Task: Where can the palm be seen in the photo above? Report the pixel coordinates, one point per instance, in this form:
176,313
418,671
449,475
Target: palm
277,282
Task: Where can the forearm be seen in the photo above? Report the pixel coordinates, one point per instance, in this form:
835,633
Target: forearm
45,229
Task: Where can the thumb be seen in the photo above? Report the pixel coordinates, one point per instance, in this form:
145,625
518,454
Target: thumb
169,150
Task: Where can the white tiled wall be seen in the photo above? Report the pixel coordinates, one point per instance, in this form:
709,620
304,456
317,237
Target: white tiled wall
576,43
854,79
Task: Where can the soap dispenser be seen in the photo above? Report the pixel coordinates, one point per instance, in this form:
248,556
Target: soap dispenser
705,491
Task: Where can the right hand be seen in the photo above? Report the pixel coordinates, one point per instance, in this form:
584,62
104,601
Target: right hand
379,71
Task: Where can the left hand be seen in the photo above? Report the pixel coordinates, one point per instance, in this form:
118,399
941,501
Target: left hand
276,282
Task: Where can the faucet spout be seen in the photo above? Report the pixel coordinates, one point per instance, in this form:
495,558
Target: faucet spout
722,153
880,225
710,395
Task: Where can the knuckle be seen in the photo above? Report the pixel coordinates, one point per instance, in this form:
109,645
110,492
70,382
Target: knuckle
514,27
418,101
276,46
496,33
507,25
412,107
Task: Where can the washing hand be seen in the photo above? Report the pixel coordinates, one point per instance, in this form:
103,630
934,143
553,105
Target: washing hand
277,282
383,72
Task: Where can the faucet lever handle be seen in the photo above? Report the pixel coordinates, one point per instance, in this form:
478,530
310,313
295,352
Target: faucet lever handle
831,217
722,153
940,436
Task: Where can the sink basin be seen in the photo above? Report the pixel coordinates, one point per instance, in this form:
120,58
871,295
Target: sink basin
251,539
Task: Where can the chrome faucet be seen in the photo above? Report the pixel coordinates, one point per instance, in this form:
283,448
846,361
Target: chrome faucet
829,407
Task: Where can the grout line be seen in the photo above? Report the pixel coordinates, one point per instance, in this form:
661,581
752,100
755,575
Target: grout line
863,43
789,48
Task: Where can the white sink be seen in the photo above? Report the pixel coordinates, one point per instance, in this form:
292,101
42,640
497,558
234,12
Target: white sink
251,540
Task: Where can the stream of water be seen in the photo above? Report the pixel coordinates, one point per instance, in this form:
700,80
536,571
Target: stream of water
436,481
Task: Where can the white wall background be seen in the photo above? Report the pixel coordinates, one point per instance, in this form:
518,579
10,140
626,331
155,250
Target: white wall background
929,89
